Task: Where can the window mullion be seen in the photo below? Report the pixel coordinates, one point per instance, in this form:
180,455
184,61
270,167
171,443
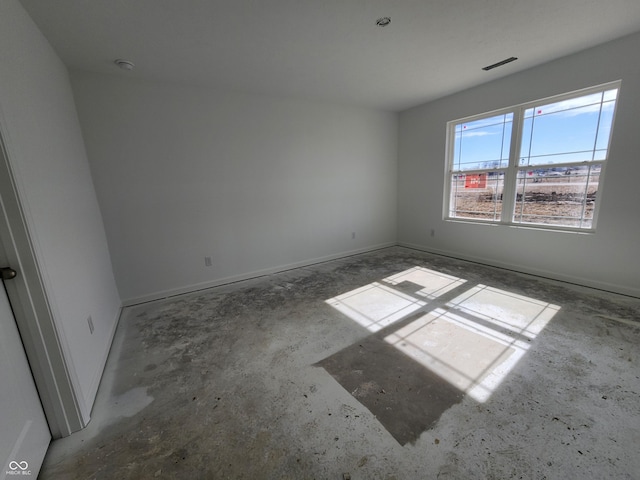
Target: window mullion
510,176
480,187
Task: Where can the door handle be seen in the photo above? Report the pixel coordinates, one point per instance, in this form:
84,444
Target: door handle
7,273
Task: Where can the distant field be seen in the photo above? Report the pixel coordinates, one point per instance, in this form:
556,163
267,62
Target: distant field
551,200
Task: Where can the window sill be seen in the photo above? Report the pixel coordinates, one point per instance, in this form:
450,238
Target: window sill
519,226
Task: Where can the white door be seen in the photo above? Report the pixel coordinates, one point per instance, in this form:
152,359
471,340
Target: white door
24,434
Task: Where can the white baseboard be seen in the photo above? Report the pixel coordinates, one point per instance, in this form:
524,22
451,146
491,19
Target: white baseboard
586,282
90,397
249,275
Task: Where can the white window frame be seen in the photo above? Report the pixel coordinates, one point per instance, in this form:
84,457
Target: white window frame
511,171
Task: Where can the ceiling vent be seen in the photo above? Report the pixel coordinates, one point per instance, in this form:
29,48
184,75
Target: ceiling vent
499,64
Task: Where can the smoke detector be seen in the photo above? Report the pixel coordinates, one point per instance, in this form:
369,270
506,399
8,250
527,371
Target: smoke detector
124,64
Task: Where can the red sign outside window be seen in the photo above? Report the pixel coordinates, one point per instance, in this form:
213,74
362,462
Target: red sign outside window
477,180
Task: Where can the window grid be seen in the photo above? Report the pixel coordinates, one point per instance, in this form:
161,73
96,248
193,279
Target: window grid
507,187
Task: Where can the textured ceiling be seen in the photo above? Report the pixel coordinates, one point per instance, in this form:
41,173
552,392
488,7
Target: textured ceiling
328,50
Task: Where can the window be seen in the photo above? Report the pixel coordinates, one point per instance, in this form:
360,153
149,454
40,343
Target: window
536,164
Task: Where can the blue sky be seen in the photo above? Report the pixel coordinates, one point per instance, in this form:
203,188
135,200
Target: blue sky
560,132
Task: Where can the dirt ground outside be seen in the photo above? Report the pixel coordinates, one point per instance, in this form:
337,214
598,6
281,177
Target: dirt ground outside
562,200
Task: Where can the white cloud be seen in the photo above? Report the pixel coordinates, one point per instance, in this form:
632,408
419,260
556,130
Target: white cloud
475,133
575,106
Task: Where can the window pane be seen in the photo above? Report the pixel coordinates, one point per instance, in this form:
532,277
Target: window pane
562,196
574,130
604,132
476,196
483,144
553,180
610,95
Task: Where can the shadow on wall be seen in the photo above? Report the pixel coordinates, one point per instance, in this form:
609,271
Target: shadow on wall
435,338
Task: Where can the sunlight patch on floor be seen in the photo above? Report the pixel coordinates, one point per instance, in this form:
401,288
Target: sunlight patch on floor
433,283
375,306
472,341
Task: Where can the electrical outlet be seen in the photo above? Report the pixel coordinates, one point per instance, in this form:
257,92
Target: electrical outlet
353,235
90,322
207,261
433,232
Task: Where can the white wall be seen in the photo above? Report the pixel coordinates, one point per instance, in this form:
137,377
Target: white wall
43,139
609,258
257,183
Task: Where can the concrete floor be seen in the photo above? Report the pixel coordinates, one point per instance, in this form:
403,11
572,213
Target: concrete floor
391,365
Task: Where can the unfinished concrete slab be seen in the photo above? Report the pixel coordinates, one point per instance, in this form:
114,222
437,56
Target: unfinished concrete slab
395,364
